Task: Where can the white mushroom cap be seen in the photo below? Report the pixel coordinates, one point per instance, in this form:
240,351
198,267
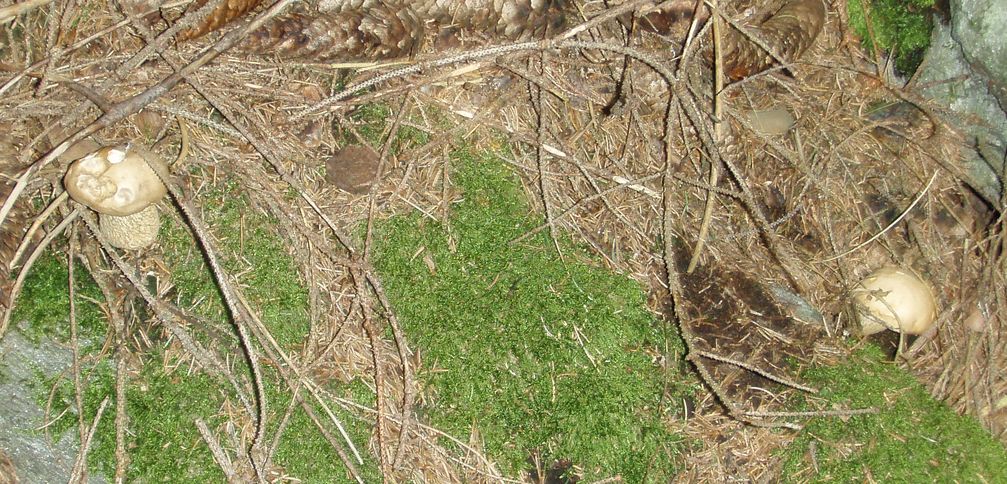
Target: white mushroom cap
896,299
116,180
131,232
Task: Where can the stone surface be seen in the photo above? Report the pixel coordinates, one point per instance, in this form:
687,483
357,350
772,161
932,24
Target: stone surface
978,26
966,69
36,459
795,305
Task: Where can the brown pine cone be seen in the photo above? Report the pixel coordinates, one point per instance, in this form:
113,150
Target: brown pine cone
378,32
225,12
507,19
789,33
372,29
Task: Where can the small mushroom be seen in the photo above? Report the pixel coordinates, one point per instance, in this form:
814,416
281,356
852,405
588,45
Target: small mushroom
772,122
118,183
896,299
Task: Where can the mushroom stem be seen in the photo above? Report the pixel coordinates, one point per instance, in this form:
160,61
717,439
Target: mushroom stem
131,232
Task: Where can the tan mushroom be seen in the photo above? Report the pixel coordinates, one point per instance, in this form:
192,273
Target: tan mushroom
896,299
117,183
772,122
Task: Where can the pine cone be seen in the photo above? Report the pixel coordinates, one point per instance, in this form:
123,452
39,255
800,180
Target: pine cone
372,29
378,32
226,11
508,19
789,33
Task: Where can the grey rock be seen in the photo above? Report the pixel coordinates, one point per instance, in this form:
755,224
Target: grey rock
966,70
978,26
795,305
36,459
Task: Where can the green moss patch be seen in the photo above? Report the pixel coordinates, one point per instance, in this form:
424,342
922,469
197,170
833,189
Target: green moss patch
270,279
163,443
541,356
250,250
899,26
44,303
305,454
914,439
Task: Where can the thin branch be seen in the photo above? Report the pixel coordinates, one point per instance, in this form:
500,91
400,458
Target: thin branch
80,465
718,133
757,371
895,222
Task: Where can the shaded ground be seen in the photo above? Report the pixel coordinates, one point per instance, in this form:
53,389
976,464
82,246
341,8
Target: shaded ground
737,318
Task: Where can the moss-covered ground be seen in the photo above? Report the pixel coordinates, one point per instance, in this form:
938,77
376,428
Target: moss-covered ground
44,303
163,403
545,356
901,27
542,356
555,359
914,438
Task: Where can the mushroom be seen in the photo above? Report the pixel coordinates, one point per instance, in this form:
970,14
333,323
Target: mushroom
896,299
772,122
118,183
